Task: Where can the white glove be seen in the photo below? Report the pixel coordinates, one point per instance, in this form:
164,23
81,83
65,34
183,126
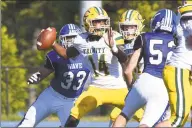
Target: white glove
34,79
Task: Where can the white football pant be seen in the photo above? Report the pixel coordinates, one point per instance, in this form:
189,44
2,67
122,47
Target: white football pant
150,91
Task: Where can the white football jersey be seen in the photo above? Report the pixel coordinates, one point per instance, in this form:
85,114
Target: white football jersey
105,67
182,55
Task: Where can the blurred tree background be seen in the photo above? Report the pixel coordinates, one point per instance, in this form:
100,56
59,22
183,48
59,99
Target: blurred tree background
22,21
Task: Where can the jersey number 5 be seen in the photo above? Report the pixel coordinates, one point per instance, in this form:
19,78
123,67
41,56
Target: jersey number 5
158,53
69,77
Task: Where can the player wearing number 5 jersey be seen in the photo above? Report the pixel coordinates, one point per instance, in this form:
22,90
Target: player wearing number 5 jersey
176,73
108,85
68,83
149,89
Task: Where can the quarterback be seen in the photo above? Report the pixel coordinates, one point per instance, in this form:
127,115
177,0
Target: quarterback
107,84
71,77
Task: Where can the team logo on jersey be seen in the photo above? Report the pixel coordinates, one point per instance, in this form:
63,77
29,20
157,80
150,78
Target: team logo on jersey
94,50
75,66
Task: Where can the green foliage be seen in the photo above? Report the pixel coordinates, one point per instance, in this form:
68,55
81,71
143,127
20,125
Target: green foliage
23,20
146,8
3,5
17,85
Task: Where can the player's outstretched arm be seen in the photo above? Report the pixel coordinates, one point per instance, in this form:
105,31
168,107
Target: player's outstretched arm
70,52
132,64
60,50
39,75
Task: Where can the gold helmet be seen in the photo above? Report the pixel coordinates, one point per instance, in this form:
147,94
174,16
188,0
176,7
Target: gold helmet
186,16
186,9
94,15
133,20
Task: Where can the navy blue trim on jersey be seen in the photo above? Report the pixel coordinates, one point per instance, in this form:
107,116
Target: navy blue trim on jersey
124,115
48,64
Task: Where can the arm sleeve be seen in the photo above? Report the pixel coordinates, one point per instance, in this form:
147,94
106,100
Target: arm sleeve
48,64
138,42
72,52
122,57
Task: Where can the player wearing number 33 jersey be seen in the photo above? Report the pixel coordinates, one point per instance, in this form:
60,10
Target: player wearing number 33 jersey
71,77
107,83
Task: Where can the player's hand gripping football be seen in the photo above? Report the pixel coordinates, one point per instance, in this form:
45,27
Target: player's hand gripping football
108,38
35,78
46,38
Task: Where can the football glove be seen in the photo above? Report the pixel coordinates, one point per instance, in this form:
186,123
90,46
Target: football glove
35,78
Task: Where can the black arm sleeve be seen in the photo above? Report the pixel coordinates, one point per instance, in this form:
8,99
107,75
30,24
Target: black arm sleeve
122,57
48,64
72,52
138,42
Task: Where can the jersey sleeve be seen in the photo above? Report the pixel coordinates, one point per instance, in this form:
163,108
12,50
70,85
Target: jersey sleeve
48,63
118,38
80,42
138,42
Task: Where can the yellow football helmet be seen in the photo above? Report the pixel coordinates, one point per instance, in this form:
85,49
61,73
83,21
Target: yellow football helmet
130,24
94,15
186,9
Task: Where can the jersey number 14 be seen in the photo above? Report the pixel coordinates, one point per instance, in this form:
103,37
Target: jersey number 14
101,65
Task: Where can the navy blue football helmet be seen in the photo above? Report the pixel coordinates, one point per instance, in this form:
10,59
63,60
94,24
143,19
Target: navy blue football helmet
164,20
68,34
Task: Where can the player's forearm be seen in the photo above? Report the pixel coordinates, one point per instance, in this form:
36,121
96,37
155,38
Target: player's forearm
45,72
60,50
36,77
132,64
122,57
129,78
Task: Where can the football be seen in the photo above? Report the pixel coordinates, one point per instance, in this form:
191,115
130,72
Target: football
46,38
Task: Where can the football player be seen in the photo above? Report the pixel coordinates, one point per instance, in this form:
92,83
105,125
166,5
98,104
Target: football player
130,26
71,76
176,73
149,89
108,85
